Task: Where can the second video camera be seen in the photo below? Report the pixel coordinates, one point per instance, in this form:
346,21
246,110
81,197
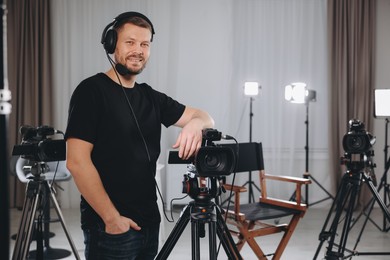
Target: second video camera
357,144
358,140
37,147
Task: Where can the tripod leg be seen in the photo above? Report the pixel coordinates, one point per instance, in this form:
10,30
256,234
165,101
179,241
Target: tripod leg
226,238
324,235
346,190
213,240
175,234
378,199
61,217
371,204
23,238
195,240
348,219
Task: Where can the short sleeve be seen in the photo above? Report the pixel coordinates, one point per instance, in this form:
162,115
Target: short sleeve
83,113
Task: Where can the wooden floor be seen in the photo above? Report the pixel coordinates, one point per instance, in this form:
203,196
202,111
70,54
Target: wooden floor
303,243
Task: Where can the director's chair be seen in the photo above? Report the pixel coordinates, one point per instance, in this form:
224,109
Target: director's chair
248,221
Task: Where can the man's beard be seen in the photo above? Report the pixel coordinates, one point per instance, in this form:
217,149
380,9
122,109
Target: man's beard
136,71
123,69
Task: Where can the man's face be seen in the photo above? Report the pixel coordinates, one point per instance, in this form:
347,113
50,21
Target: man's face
133,47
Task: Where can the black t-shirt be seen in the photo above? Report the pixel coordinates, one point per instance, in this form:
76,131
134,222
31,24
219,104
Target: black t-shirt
100,112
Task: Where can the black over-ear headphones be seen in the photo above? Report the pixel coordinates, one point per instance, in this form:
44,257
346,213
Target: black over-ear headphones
109,36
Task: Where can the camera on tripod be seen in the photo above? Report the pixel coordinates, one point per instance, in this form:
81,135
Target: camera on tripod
211,160
38,147
357,144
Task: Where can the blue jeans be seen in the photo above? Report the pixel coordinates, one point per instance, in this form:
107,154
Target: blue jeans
131,245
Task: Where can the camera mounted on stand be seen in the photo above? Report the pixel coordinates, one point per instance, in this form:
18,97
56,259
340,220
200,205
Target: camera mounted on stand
38,147
211,161
202,182
357,144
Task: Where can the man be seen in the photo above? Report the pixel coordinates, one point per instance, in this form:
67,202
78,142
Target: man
113,143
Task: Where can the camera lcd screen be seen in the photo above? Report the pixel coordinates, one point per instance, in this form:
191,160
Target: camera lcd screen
382,103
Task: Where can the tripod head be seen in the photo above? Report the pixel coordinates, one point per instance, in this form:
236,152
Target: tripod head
36,169
201,189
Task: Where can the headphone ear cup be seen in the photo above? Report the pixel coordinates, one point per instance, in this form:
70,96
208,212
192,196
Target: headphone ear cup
110,41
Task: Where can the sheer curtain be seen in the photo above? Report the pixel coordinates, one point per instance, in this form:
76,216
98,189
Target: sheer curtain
202,54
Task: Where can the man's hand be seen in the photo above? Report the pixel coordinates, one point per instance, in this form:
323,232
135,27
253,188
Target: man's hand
189,139
121,225
192,122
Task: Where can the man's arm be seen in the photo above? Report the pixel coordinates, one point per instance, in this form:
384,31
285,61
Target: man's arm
88,182
193,121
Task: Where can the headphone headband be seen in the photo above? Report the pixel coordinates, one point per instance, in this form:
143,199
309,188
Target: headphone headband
109,36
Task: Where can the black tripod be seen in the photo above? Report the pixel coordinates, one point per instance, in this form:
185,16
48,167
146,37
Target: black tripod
386,192
37,196
201,211
345,201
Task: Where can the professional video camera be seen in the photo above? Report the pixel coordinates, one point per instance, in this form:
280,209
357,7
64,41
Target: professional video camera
37,147
211,160
357,140
357,144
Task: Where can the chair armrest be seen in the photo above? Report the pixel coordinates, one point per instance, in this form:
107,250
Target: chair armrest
298,182
234,188
288,179
237,191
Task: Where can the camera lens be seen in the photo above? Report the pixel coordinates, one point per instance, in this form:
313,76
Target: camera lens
356,142
212,161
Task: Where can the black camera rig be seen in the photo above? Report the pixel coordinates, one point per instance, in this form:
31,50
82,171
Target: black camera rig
211,160
37,146
202,182
358,144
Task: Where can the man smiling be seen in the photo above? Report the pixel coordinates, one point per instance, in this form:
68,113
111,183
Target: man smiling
113,143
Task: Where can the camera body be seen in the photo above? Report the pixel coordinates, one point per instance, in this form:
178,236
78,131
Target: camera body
357,145
357,140
37,147
210,160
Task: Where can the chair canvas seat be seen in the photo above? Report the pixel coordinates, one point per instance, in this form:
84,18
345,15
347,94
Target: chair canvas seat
262,211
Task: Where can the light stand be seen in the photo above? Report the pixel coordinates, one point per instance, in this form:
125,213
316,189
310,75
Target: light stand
382,109
251,89
307,173
5,110
298,93
384,183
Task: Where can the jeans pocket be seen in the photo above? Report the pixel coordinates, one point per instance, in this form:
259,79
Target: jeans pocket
125,245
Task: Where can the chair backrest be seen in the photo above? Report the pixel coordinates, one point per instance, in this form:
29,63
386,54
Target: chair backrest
249,156
56,171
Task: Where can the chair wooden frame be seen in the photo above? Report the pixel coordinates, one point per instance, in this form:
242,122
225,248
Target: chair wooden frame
247,221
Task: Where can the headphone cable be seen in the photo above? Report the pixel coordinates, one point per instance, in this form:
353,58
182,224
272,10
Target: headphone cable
153,171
